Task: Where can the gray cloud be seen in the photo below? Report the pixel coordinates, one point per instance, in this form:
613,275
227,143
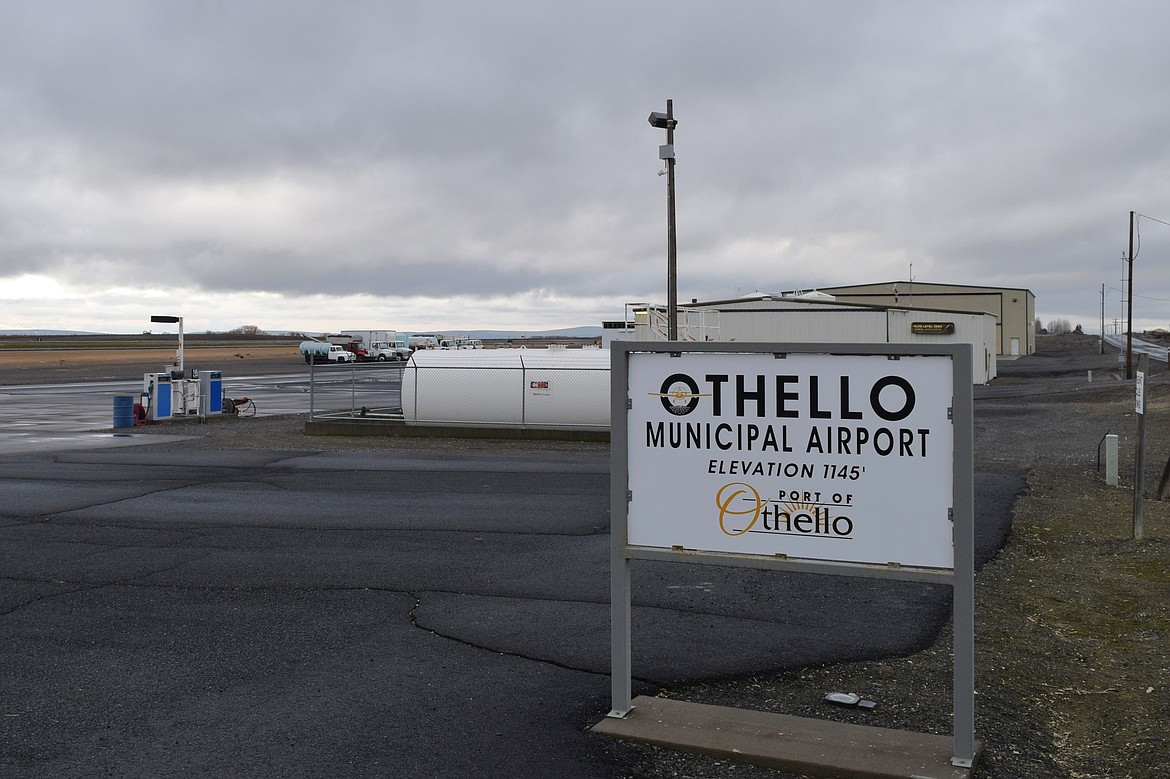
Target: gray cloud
495,150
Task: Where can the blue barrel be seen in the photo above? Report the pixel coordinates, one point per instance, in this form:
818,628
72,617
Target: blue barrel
123,411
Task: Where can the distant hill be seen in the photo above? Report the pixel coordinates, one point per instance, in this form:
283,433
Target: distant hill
567,332
47,332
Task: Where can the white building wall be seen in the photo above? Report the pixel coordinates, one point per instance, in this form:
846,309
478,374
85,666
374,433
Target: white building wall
803,326
979,330
788,321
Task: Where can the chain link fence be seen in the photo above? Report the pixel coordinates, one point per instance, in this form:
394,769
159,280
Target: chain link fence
352,390
479,394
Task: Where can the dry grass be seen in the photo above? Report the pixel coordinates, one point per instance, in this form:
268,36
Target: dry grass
25,358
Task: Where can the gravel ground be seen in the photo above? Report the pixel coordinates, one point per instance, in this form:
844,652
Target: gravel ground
1072,616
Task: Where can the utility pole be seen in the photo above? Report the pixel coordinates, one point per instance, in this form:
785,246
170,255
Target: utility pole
1101,341
1129,312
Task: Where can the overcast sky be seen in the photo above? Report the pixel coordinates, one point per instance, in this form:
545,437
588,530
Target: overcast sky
463,165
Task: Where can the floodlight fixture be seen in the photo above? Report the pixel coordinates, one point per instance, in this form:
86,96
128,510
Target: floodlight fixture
662,121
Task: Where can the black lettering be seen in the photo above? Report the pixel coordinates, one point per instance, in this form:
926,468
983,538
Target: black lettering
717,382
814,399
843,440
905,441
718,440
742,396
783,396
875,398
846,413
654,435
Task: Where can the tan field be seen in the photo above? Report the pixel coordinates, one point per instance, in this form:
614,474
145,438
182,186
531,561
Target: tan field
36,366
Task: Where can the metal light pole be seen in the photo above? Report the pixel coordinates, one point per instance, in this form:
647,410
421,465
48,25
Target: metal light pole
667,122
172,320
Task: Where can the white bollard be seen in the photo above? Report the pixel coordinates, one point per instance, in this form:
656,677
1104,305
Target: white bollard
1090,377
1111,459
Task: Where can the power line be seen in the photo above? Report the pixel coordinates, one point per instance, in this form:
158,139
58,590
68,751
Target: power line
1143,297
1138,230
1146,297
1159,221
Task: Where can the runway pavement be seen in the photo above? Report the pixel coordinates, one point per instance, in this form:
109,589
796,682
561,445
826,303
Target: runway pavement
407,613
54,416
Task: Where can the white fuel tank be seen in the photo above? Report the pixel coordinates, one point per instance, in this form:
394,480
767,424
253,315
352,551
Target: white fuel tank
561,388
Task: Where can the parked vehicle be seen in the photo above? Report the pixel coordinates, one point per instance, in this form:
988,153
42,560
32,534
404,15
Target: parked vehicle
371,345
425,341
354,346
321,351
389,350
460,342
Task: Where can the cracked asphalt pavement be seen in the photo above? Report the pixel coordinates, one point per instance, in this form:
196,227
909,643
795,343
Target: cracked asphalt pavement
408,613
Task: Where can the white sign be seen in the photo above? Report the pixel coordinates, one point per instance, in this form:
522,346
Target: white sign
812,456
1141,392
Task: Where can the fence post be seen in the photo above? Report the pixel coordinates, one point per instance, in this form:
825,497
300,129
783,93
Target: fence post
415,393
523,393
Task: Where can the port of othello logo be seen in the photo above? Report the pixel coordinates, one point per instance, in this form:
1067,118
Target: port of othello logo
743,510
679,394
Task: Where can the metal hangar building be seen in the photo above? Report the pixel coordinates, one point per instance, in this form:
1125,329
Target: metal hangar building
820,317
1014,308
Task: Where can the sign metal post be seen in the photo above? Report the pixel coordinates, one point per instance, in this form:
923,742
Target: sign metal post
1139,459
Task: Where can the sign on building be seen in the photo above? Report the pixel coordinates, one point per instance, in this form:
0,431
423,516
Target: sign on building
932,328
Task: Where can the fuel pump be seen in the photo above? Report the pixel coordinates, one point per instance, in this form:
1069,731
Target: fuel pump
156,390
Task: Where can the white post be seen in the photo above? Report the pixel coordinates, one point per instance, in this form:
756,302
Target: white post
1111,459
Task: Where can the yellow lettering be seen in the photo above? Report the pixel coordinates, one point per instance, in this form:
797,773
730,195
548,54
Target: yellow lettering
738,491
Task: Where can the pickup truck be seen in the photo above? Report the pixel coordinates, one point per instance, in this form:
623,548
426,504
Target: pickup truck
389,350
318,351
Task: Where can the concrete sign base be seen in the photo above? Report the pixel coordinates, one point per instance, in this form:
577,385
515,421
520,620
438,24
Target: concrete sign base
780,742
